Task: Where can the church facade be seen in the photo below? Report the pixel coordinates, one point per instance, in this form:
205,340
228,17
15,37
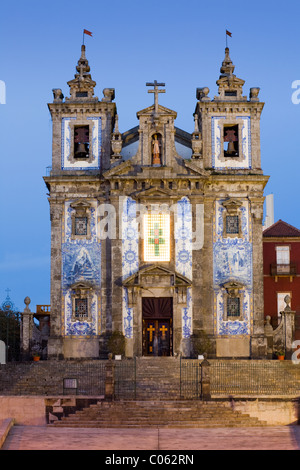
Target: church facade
156,232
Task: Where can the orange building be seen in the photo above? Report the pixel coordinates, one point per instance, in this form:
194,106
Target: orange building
281,259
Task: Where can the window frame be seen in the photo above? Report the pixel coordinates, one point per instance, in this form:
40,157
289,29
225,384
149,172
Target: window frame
81,209
235,290
82,290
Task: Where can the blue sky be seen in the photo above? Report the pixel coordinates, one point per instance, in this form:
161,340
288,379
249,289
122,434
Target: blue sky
179,43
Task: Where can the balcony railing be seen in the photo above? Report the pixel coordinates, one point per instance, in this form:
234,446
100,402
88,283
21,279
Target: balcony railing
43,309
283,269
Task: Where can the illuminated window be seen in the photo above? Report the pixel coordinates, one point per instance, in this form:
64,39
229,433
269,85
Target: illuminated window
157,237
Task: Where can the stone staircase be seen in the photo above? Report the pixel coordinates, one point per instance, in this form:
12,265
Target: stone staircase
158,413
158,377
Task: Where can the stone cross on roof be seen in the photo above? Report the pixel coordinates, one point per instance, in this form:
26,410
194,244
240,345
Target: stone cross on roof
155,84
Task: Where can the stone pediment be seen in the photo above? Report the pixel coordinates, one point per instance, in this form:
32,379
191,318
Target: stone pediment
155,193
230,83
196,169
161,110
156,276
81,203
122,169
232,205
82,285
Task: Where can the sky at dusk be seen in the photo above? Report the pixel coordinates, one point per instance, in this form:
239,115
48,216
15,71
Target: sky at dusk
179,43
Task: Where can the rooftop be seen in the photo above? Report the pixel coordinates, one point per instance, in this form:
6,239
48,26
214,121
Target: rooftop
281,229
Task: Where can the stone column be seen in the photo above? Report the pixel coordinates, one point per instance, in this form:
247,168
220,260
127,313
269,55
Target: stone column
288,319
26,330
55,345
258,340
116,269
269,334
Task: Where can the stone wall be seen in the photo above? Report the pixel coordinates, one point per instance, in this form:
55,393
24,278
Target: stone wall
273,411
27,411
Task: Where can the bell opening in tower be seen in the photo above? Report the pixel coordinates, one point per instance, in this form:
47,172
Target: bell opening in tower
231,141
81,142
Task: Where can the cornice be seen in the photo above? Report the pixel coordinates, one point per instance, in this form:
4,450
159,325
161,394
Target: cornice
73,107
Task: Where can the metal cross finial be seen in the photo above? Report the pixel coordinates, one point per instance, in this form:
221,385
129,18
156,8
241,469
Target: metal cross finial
156,91
8,291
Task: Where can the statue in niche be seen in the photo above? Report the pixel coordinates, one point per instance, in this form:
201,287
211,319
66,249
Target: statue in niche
156,158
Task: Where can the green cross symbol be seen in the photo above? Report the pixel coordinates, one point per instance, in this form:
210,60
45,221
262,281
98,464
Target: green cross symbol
157,239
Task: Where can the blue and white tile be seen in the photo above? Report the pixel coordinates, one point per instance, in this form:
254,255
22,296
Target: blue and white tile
233,261
81,261
130,258
184,257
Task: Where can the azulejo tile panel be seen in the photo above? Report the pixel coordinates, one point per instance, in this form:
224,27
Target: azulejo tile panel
81,261
184,257
233,261
130,257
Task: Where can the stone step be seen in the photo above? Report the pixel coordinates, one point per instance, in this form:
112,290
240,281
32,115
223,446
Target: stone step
157,413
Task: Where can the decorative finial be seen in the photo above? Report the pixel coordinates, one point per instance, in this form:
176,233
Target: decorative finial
227,68
202,94
287,301
27,301
82,86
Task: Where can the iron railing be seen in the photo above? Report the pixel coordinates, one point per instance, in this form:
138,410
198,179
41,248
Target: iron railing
256,378
125,379
237,378
190,379
283,269
10,333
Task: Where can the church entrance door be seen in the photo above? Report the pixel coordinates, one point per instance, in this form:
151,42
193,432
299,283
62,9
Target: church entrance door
157,326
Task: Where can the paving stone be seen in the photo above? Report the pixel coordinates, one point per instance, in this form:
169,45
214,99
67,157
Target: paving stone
46,438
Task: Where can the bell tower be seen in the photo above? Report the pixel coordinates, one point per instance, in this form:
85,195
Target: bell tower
81,145
229,126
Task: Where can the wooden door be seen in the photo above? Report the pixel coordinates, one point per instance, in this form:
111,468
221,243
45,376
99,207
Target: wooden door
157,337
